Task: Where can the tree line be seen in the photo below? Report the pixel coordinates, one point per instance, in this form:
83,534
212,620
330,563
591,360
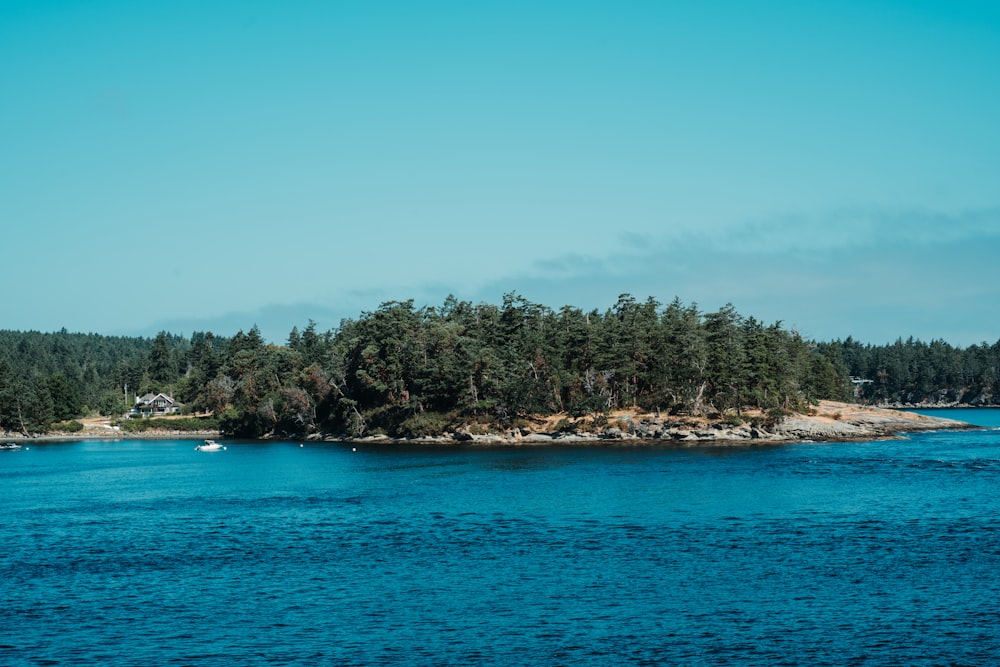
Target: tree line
408,371
912,371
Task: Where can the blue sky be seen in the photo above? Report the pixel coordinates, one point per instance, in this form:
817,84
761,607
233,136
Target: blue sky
212,165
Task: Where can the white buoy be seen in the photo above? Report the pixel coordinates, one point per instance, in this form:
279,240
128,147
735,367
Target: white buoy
354,449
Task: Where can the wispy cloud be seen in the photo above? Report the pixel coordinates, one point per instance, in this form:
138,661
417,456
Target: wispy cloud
875,275
856,227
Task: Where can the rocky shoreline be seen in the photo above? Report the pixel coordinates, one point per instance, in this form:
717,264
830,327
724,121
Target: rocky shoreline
828,422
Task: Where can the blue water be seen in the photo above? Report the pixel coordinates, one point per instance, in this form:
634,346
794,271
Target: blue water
149,553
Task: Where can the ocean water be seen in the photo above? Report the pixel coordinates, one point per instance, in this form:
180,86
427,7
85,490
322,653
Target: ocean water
150,553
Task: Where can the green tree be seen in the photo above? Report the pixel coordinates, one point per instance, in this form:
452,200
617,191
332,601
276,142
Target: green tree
726,369
65,398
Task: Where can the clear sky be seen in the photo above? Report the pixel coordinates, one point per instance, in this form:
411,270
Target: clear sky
193,165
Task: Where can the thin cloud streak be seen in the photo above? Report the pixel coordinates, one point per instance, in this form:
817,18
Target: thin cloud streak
845,274
870,274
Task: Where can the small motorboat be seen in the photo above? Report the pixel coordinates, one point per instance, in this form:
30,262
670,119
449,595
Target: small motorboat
11,446
210,446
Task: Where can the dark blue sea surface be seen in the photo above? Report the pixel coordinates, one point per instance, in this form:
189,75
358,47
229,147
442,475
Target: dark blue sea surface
150,553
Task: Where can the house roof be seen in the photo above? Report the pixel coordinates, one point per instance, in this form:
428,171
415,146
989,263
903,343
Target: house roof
146,399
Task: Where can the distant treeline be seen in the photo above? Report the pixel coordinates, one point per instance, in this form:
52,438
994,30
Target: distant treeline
911,371
406,371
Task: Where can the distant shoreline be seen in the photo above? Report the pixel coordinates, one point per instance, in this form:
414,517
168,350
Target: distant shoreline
91,434
936,406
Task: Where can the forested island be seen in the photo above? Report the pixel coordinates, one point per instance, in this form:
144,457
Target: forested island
468,369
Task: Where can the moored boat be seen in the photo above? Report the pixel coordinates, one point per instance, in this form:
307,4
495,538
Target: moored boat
210,446
10,446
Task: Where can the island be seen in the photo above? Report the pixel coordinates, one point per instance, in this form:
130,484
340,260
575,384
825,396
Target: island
477,373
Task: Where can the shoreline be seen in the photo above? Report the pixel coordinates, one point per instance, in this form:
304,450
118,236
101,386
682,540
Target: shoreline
119,435
936,406
829,421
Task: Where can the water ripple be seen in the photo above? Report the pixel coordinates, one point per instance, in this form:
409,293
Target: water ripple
866,553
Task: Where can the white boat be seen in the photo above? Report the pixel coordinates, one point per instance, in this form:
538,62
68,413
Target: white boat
210,446
10,445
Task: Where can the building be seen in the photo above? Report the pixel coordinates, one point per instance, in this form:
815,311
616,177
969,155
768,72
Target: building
157,405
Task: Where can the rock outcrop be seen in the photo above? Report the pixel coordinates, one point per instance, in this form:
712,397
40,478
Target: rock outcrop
829,421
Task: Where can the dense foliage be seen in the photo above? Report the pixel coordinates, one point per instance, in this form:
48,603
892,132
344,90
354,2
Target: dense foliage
408,371
405,371
46,378
180,424
909,372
